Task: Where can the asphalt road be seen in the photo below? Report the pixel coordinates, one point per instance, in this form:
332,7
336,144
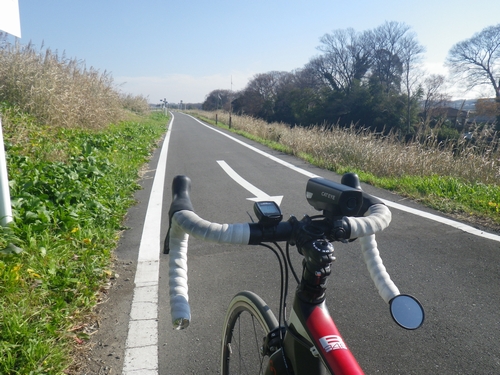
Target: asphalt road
454,274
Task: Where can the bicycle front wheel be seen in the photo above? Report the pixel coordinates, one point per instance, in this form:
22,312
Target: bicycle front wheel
247,323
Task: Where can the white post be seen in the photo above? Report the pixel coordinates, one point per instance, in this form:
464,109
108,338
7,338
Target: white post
5,205
11,23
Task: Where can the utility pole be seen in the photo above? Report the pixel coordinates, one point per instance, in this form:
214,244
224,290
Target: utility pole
230,102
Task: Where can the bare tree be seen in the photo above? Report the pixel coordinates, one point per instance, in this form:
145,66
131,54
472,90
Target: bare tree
387,69
307,78
322,72
387,66
346,58
259,96
434,98
397,55
217,99
476,61
266,84
411,57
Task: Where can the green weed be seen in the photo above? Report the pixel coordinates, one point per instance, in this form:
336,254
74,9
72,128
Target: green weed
68,208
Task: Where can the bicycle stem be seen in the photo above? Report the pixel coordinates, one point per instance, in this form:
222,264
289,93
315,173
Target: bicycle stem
318,257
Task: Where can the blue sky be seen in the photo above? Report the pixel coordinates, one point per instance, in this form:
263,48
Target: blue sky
182,50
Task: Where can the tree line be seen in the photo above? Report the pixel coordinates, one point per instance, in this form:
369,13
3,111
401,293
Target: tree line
373,79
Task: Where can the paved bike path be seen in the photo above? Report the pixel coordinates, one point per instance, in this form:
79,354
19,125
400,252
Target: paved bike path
452,272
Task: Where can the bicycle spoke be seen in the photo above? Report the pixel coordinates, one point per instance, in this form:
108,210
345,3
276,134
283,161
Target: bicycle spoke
243,336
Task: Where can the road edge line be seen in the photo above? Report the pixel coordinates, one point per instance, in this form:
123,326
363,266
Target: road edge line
453,223
141,347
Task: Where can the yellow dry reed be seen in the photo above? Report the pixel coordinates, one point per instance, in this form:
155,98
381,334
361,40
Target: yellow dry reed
383,156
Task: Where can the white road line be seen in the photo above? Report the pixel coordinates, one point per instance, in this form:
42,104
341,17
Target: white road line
259,194
274,158
452,223
442,220
141,348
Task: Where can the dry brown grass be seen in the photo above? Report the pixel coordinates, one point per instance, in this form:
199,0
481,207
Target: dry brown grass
61,92
383,156
134,103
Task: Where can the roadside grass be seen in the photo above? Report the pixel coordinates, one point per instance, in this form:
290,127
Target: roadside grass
70,190
61,91
458,179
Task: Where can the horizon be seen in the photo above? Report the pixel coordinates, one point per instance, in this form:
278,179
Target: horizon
179,52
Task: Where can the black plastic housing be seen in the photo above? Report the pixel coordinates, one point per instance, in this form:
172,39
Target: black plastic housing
332,198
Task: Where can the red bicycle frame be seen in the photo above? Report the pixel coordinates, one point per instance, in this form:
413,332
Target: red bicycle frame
311,324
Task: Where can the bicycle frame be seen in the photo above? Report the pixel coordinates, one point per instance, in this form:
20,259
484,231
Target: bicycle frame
311,343
328,354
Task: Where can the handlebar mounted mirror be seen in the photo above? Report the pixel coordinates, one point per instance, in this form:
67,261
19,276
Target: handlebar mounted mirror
407,311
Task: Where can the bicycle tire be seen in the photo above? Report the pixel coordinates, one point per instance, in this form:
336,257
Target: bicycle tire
248,320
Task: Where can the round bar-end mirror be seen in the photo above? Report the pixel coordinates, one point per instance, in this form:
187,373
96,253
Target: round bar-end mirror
407,311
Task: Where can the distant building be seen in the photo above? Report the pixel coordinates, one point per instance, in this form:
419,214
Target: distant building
461,114
481,119
457,118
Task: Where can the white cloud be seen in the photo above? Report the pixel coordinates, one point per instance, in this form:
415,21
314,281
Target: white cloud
436,68
177,87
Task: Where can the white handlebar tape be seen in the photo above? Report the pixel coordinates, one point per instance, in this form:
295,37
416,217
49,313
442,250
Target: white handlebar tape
385,286
185,223
177,274
376,219
204,230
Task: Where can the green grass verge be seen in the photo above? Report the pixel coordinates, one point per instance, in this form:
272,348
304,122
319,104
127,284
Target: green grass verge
70,191
473,202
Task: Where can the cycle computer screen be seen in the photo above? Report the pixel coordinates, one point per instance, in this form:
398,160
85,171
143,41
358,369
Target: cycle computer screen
268,213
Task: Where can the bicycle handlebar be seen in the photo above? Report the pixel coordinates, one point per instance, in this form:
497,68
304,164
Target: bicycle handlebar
184,222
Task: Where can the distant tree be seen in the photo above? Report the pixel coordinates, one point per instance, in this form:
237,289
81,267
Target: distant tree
296,95
261,93
387,64
396,58
345,59
486,107
476,61
305,96
217,99
411,56
386,71
362,76
237,104
434,99
433,95
367,78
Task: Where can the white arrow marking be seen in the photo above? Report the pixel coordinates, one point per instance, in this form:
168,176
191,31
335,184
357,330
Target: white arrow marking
259,194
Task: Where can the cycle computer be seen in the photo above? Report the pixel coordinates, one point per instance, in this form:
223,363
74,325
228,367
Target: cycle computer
268,212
